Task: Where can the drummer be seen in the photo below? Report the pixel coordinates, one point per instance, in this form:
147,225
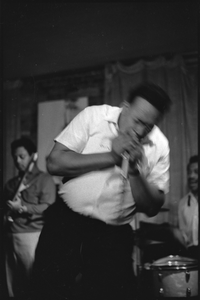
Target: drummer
186,233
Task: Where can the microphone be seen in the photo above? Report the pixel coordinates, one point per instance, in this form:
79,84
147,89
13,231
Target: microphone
125,164
124,173
189,200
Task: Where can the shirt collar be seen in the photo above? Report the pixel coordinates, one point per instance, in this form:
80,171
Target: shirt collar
147,140
113,116
192,197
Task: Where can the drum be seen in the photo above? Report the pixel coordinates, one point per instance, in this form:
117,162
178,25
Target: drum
174,276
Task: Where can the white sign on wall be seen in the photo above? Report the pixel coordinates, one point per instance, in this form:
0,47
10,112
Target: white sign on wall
53,116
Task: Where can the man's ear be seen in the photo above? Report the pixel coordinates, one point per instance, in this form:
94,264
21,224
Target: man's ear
125,104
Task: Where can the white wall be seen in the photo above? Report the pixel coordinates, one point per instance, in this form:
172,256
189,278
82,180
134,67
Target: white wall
53,116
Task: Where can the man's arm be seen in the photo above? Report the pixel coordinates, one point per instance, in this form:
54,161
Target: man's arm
46,198
149,192
62,161
147,196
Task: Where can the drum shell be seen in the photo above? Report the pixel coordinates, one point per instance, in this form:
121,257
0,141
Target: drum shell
175,280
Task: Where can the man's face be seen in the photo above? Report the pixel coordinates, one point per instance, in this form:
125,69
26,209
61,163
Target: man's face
21,158
193,177
140,117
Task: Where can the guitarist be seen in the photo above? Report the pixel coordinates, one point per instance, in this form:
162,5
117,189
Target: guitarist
26,198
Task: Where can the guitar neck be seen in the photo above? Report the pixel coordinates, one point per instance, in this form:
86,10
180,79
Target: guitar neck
28,169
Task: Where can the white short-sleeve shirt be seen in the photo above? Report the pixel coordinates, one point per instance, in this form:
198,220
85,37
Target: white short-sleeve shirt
188,219
100,194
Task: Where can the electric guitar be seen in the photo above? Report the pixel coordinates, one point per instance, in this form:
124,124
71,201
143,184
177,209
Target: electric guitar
21,185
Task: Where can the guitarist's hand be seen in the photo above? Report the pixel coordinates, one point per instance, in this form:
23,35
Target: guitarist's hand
16,205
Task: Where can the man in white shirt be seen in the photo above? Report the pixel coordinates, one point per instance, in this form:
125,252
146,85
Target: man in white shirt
113,161
186,233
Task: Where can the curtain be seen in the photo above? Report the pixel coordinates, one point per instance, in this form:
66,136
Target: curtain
179,125
11,125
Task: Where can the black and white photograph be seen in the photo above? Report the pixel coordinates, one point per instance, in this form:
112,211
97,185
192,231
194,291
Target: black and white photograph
99,156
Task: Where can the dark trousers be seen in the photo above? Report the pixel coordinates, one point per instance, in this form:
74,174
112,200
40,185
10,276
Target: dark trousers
81,258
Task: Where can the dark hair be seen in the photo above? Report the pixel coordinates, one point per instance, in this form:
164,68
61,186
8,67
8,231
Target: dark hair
23,142
193,159
152,93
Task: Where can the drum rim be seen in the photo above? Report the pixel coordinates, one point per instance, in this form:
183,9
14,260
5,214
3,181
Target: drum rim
174,262
192,267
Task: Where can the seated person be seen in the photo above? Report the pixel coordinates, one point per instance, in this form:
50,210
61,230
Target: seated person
186,233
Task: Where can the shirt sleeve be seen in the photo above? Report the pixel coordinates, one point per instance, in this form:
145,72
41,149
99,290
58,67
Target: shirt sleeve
75,135
159,175
46,197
